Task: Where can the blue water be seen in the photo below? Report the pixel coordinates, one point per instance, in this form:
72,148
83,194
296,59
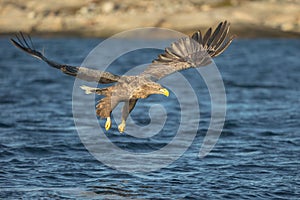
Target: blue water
256,157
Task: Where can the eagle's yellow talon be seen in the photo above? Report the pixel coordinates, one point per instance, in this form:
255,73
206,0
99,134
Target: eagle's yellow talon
122,126
107,123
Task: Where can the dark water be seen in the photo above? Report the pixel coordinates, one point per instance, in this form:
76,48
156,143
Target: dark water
256,157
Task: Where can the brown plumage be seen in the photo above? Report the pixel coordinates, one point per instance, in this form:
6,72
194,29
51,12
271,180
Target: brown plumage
185,53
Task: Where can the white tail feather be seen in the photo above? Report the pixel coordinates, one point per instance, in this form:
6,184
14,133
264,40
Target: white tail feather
88,90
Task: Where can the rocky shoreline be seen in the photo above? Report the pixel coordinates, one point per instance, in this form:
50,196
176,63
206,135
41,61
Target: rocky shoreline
100,18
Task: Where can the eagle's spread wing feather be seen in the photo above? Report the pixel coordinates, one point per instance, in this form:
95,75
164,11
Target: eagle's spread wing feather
190,52
80,72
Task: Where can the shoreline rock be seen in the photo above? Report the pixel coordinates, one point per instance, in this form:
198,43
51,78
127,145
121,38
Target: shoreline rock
100,18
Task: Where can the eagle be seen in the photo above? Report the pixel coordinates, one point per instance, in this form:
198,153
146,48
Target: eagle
185,53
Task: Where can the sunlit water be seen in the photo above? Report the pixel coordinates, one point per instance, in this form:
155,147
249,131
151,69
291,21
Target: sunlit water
257,155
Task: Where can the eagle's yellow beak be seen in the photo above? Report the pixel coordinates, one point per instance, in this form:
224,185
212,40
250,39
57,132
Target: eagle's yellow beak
164,91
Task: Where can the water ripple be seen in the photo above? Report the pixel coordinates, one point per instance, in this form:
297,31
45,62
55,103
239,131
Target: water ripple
256,157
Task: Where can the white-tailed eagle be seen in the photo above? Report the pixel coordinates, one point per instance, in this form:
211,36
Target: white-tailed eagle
188,52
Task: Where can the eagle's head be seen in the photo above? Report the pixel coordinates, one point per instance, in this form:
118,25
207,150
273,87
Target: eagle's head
153,88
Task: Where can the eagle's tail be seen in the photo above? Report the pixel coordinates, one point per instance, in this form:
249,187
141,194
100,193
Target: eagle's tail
90,90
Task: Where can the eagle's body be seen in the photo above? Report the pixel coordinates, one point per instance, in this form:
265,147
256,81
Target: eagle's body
128,89
135,87
185,53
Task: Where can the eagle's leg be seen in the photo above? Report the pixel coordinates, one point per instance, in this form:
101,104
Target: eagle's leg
127,108
107,123
125,113
122,126
108,105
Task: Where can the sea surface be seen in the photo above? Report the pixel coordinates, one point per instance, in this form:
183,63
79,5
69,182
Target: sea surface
257,155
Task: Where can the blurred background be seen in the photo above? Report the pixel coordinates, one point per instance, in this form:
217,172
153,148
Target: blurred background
102,18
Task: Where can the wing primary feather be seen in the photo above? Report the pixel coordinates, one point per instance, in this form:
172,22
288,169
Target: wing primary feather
206,37
22,35
223,47
189,46
31,42
218,36
164,58
169,55
196,36
215,33
171,51
223,36
20,41
221,42
178,48
200,38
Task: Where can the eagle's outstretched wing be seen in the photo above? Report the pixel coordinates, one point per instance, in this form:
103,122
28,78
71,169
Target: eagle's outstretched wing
80,72
190,52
